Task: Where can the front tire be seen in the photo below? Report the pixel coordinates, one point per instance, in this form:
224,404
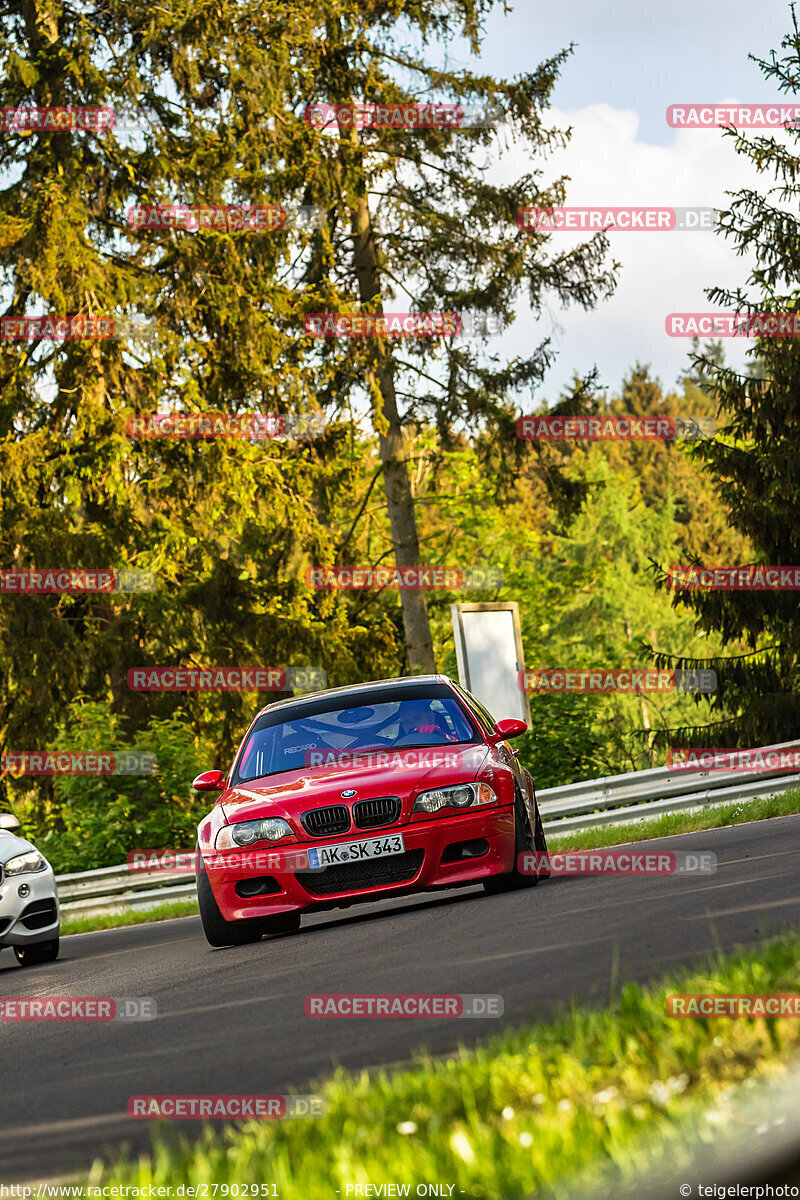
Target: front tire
524,843
37,953
218,931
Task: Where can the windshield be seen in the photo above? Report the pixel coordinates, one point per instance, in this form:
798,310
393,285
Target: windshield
276,745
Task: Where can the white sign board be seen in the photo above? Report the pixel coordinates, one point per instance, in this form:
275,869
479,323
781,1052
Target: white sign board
489,656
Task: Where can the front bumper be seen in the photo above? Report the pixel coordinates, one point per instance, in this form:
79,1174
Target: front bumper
427,841
25,920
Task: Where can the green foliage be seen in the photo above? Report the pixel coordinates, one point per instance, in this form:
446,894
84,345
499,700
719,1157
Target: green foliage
584,584
96,820
564,744
223,524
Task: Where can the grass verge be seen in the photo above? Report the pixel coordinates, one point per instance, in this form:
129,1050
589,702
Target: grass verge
163,912
713,816
524,1113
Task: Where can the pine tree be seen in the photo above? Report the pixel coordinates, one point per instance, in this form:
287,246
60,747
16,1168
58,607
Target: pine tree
221,523
754,461
417,221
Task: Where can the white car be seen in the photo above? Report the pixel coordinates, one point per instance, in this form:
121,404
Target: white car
29,919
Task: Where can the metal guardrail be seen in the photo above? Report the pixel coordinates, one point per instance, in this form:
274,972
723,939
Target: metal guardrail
614,800
619,799
119,889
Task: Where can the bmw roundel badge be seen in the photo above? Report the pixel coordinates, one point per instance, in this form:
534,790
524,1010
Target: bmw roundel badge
347,793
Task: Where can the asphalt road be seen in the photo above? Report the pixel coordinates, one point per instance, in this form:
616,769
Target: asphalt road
233,1021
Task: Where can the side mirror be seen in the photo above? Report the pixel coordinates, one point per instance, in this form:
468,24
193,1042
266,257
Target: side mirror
209,781
510,728
9,822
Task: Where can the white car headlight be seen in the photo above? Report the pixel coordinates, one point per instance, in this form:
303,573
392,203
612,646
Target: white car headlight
463,795
246,833
25,864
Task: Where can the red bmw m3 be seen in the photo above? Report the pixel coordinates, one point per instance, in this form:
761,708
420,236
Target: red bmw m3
360,793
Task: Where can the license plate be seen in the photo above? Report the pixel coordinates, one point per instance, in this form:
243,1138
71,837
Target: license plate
348,852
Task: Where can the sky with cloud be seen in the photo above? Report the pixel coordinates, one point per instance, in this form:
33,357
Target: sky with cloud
631,61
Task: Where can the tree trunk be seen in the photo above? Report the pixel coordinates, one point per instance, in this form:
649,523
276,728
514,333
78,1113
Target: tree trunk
399,500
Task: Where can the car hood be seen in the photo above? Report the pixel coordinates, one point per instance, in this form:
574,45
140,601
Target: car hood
11,846
294,792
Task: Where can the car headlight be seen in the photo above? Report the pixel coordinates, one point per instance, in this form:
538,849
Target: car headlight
25,864
463,795
245,833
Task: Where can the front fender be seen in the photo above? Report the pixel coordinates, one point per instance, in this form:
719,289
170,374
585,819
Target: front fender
209,827
530,796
